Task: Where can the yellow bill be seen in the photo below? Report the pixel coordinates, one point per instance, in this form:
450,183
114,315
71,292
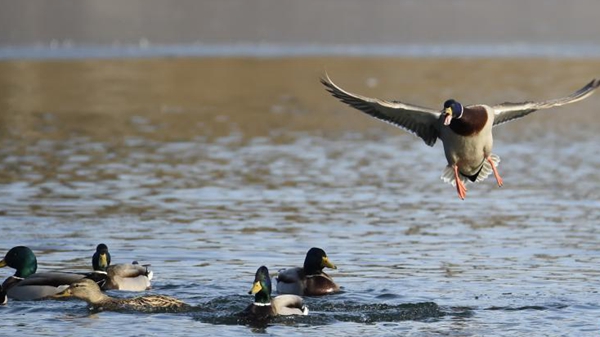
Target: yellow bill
256,287
328,263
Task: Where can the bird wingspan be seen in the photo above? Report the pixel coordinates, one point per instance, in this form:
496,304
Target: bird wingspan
420,121
508,111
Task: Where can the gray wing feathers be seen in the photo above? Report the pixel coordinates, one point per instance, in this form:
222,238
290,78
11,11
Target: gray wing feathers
508,111
41,285
288,275
127,270
129,277
289,282
418,120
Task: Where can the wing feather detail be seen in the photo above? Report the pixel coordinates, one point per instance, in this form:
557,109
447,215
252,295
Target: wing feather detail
420,121
507,111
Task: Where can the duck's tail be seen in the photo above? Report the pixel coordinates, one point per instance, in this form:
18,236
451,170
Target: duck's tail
484,172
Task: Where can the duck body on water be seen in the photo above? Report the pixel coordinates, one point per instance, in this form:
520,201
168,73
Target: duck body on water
310,279
121,276
89,291
26,284
265,306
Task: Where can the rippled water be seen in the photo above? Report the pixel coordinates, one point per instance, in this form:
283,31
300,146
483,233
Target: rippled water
209,168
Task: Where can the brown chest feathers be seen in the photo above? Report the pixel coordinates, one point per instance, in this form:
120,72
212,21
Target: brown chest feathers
471,123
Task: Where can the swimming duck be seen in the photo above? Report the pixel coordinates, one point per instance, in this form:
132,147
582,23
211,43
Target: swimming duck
3,298
309,280
265,306
122,276
26,284
89,291
466,131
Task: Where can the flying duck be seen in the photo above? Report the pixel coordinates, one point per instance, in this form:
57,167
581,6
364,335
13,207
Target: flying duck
26,284
310,280
89,291
122,276
466,131
265,306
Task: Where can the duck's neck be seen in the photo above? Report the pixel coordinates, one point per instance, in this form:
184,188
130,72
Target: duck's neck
262,298
26,271
472,121
310,271
97,297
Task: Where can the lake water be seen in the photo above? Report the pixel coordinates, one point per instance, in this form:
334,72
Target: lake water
209,167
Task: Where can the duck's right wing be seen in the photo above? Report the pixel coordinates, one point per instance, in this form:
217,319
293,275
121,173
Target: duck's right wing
420,121
507,111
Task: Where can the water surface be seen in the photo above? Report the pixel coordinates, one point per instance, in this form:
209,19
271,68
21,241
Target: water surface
208,168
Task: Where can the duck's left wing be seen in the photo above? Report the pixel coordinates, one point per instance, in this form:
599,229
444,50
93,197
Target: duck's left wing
420,121
508,111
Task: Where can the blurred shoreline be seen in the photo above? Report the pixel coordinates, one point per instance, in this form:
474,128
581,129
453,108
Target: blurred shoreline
184,98
320,22
56,50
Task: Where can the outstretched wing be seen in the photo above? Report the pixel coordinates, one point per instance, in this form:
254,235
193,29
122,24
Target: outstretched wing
508,111
418,120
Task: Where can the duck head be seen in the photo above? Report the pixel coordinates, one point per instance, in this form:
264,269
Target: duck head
316,260
261,288
22,259
84,289
101,258
452,109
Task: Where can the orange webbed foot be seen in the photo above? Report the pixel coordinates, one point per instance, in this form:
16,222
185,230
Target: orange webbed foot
460,186
496,175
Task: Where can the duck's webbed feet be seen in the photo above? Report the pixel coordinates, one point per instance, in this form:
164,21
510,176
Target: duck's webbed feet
460,186
496,175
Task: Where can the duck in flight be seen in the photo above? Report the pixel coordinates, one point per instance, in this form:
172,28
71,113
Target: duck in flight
465,131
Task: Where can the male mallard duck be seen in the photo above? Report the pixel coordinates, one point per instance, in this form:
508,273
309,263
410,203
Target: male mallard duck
309,280
265,306
89,291
466,131
122,276
26,284
3,298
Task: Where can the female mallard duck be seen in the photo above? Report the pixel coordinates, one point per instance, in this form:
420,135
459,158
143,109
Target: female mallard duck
466,131
265,306
122,276
309,280
89,291
26,284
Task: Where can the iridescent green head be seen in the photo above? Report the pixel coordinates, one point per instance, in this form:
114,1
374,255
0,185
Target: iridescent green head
261,288
22,259
316,260
101,258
